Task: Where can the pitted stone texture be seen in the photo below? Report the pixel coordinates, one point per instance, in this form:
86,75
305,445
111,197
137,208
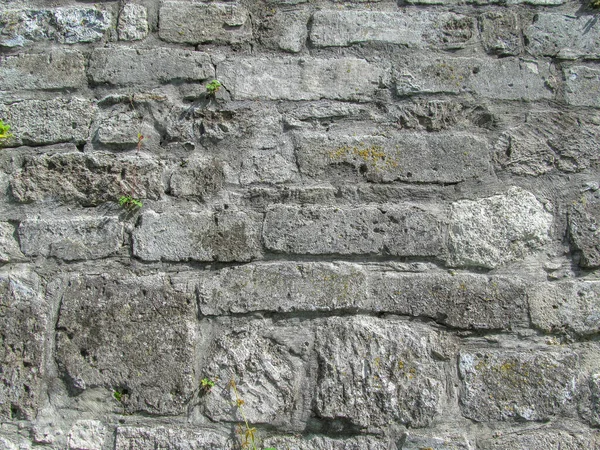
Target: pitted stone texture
563,36
524,385
501,33
460,300
71,239
198,22
374,372
143,438
24,325
58,69
566,307
22,27
487,2
496,230
78,25
420,28
89,179
199,177
288,30
502,79
134,335
325,443
87,435
43,122
271,367
198,236
130,66
133,23
300,78
400,230
9,247
582,85
584,228
408,157
546,438
416,440
281,287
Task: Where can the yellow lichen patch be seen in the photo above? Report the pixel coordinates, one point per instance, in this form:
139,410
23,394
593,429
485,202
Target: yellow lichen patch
374,155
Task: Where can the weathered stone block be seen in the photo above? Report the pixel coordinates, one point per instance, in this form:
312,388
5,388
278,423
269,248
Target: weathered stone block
409,157
420,440
89,179
58,69
200,177
22,27
198,22
87,435
133,22
24,324
582,85
43,122
495,230
524,385
545,438
142,438
9,247
198,236
386,375
133,335
584,228
460,300
401,230
326,443
81,25
300,78
130,66
504,79
287,30
569,306
72,238
334,28
563,36
501,33
487,2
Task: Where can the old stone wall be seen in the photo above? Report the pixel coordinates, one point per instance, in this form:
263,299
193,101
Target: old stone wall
383,227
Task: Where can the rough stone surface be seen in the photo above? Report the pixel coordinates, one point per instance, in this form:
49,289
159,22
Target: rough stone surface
501,33
324,443
144,438
9,246
198,22
147,352
494,230
288,31
543,439
71,239
584,228
582,86
197,236
133,22
416,440
87,435
199,177
403,230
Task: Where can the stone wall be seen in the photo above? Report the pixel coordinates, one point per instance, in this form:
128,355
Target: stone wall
383,227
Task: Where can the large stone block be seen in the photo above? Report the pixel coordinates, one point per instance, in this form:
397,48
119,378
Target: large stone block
132,335
563,36
130,66
327,443
496,230
198,236
25,319
400,230
300,78
543,438
420,28
524,385
374,372
487,2
408,157
502,79
89,179
133,22
434,440
144,438
71,238
81,25
58,69
501,33
198,22
199,177
287,30
9,247
584,228
582,85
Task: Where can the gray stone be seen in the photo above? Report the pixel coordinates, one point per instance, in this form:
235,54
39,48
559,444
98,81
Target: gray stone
144,438
459,300
199,177
544,438
582,85
197,22
43,122
387,374
415,440
133,23
503,79
501,33
89,179
24,324
569,306
87,435
22,27
496,230
334,28
524,385
58,69
300,78
563,36
129,66
129,334
440,115
71,238
487,2
400,230
409,157
198,236
584,228
288,30
79,25
326,443
9,247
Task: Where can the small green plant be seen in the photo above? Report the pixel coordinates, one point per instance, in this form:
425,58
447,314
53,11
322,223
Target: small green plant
248,433
4,131
118,395
213,87
206,384
129,202
139,142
